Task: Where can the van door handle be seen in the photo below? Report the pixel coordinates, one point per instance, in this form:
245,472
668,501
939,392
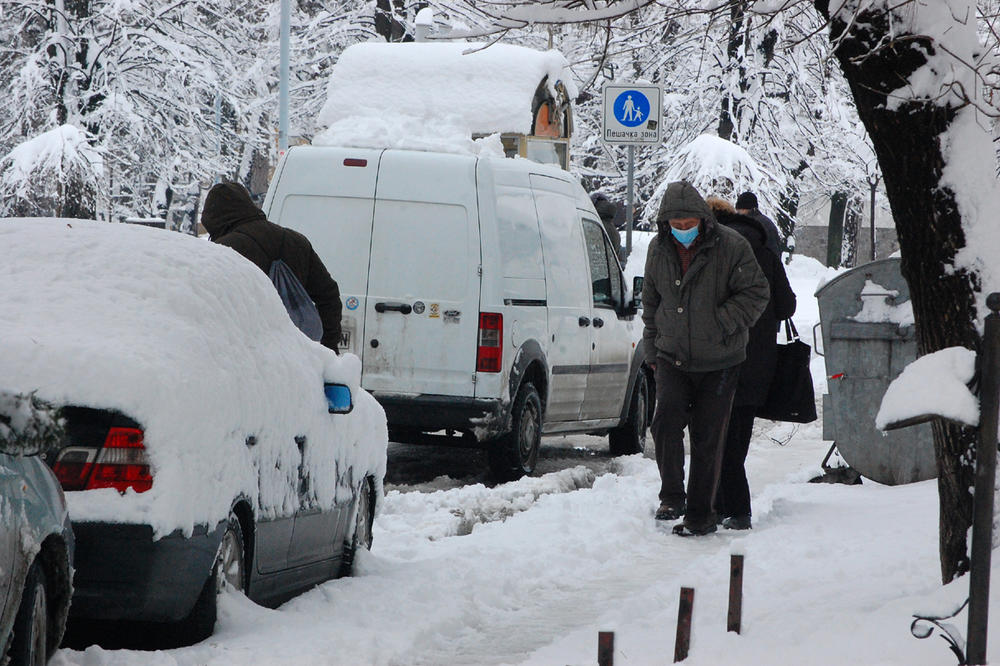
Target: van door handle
405,308
584,321
598,322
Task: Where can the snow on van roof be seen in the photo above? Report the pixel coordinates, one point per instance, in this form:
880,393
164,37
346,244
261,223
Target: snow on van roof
434,93
191,340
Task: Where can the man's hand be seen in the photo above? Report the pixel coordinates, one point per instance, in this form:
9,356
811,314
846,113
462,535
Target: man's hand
652,366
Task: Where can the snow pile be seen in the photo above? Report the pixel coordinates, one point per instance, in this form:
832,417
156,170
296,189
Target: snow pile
875,306
933,384
192,341
434,95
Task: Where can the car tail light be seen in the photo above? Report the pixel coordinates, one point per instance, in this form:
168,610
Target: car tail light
120,464
489,356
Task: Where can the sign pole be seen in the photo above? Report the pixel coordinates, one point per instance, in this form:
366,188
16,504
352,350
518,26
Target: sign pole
628,201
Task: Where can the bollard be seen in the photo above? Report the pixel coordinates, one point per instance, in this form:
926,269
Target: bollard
982,512
735,616
683,639
605,648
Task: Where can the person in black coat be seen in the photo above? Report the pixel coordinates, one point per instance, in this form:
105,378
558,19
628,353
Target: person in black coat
732,501
231,218
607,210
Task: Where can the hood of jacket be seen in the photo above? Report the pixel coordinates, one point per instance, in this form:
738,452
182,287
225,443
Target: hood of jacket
228,205
606,208
682,200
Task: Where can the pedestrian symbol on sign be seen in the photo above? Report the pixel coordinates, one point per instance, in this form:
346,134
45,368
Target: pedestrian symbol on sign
631,108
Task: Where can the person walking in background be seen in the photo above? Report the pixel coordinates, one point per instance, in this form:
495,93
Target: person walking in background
702,291
732,501
746,204
607,210
232,219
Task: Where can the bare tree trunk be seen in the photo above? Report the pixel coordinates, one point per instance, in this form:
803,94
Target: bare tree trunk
835,229
731,104
929,226
852,232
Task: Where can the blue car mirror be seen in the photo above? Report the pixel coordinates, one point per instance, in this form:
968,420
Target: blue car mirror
338,398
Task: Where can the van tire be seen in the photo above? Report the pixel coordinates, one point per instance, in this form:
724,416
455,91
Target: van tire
514,455
630,436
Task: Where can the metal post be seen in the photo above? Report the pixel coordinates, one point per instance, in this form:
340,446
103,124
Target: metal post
735,615
283,78
874,186
605,648
628,201
982,512
684,611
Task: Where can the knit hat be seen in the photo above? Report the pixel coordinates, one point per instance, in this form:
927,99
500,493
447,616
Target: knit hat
746,201
682,200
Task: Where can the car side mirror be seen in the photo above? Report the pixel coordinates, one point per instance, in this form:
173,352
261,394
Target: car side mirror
338,398
28,426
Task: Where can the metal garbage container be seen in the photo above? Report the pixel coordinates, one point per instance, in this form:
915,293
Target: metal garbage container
868,338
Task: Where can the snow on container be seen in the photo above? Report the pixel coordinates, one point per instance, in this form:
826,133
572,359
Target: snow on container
868,338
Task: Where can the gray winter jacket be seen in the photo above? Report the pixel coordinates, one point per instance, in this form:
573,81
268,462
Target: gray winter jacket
700,321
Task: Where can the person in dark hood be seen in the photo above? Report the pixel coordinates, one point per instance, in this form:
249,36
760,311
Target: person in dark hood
732,501
232,219
702,292
607,210
746,204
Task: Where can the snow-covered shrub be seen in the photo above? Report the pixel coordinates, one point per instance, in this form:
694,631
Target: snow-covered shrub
54,174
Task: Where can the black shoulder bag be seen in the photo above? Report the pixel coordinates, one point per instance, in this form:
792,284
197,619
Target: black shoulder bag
790,396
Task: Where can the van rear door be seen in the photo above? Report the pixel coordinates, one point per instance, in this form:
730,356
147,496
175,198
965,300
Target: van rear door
422,312
328,195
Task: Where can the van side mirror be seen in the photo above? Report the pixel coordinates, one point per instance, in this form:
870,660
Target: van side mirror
338,398
637,291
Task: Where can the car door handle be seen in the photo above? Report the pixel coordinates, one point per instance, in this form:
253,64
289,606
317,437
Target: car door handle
584,321
598,322
383,306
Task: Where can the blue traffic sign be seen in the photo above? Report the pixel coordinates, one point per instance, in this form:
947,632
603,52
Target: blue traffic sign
631,108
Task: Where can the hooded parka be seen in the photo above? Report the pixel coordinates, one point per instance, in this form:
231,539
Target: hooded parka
231,218
699,320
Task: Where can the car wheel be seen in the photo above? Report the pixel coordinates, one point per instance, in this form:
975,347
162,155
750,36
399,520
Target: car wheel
228,572
630,437
29,646
363,523
515,454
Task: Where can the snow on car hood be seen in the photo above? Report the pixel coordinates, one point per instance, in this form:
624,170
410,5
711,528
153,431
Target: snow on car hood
191,340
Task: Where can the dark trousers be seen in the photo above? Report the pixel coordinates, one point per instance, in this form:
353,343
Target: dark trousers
700,401
733,496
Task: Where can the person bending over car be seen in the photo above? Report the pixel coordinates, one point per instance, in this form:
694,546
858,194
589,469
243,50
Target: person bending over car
232,219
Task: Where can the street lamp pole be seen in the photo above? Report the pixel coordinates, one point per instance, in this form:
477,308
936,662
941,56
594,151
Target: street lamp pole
283,79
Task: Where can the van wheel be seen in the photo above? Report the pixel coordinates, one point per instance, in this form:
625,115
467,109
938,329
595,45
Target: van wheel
29,645
630,437
228,573
363,522
515,454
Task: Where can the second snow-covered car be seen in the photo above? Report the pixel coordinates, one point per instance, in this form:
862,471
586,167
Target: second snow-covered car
201,449
36,541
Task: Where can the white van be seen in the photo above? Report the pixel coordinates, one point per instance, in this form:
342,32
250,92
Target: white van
481,293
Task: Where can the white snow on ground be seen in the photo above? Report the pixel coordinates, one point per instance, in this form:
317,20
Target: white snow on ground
191,340
529,572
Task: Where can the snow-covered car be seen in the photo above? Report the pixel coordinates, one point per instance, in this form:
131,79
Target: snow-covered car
36,540
208,442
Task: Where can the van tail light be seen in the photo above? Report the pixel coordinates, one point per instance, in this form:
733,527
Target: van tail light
489,355
120,464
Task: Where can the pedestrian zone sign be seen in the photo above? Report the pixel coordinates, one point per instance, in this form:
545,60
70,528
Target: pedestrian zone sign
632,113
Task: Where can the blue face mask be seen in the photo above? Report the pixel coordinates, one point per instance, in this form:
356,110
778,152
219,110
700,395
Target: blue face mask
687,237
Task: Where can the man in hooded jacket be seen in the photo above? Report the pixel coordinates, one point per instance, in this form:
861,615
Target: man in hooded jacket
232,219
607,211
702,292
